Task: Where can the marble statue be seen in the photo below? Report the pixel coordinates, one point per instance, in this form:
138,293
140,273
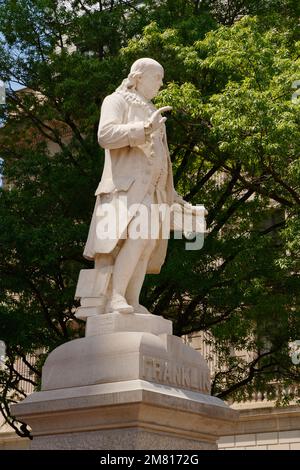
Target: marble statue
137,168
129,383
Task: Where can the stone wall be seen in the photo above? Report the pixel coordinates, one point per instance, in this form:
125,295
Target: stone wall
265,428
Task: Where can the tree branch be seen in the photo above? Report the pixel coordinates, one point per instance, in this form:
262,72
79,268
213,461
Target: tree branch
251,373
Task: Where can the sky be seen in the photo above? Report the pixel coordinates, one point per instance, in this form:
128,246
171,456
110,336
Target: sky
14,85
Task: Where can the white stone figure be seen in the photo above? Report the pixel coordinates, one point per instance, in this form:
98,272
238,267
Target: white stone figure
137,170
129,383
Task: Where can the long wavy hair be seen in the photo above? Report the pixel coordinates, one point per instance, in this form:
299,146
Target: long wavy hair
137,68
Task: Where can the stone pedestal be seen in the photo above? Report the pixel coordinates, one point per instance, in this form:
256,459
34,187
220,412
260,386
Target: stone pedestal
129,384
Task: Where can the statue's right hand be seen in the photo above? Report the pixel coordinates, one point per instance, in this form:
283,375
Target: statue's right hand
156,120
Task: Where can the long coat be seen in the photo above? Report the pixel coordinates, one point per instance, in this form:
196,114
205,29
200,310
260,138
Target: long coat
127,171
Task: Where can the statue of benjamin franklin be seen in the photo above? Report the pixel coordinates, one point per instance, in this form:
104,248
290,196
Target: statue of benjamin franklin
138,167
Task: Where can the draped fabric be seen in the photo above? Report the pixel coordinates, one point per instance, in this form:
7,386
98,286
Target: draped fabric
140,169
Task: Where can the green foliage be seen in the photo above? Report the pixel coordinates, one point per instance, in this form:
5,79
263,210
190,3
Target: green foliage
234,141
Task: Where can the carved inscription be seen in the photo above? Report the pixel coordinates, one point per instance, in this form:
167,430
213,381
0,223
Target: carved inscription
171,373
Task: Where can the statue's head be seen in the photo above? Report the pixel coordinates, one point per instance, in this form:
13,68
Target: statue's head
146,76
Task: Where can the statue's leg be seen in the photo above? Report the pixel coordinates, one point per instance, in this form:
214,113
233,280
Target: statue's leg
124,267
136,282
102,261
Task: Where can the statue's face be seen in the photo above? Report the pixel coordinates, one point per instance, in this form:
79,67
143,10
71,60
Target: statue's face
149,83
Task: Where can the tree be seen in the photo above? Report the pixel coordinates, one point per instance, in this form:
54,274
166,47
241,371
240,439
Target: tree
234,142
227,12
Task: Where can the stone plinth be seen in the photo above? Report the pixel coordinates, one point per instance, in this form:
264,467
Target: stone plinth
136,322
129,384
